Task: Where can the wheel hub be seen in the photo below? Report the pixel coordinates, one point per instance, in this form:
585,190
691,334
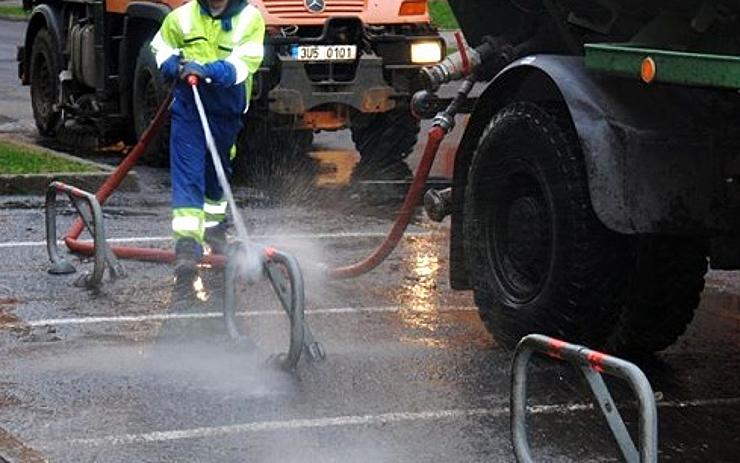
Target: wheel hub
522,238
524,230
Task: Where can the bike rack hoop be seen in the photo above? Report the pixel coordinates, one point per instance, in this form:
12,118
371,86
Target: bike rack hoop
92,217
592,365
286,278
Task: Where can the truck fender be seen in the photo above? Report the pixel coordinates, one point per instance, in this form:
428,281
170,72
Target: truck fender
142,21
148,10
648,169
43,16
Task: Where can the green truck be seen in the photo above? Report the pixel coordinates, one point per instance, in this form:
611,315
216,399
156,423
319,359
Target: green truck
598,176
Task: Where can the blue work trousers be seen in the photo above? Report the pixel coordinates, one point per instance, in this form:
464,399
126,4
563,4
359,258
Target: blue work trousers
194,180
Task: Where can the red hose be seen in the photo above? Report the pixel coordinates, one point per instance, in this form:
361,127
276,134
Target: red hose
136,253
115,179
463,53
107,188
436,134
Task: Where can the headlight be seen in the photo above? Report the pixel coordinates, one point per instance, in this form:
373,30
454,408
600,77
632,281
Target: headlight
426,52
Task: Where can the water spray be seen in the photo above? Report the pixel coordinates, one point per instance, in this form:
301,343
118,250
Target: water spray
245,260
250,253
251,261
241,230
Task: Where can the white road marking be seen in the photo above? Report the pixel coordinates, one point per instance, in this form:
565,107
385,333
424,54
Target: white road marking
149,239
358,420
142,239
210,315
220,431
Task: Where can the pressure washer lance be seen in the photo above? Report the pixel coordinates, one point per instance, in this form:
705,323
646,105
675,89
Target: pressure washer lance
253,268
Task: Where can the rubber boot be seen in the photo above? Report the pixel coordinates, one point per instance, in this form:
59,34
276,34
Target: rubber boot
187,256
216,238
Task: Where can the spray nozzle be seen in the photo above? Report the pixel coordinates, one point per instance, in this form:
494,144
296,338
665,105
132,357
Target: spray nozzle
249,259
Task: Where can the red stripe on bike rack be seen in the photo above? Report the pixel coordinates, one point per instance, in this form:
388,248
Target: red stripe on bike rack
596,359
555,346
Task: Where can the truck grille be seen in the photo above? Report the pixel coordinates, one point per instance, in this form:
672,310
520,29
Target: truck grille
296,9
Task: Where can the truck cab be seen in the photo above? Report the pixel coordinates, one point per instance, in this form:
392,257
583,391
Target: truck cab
329,65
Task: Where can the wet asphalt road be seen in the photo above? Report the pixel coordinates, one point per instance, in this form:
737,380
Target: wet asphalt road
15,112
411,374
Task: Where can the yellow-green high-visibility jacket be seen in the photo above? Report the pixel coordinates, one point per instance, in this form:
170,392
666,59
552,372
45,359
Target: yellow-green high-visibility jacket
190,32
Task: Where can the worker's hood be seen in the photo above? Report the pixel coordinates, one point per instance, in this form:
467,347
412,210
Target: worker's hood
232,8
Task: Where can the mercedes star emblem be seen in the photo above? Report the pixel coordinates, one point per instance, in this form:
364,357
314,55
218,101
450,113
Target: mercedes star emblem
315,6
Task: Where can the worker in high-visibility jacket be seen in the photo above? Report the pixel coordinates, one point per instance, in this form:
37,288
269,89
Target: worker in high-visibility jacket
220,42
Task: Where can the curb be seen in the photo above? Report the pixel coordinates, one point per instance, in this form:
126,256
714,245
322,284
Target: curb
19,19
36,184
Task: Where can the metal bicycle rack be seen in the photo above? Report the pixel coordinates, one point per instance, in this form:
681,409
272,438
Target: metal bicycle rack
286,278
592,364
89,209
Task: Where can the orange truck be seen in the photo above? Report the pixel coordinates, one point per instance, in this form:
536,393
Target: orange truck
329,65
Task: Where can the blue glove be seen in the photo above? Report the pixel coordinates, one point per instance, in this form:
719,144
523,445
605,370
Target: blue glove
170,69
222,73
192,68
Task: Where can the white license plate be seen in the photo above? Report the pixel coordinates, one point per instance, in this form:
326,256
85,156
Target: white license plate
324,52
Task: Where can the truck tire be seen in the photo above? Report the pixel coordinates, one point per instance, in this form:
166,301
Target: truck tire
538,258
265,153
667,284
384,141
45,68
149,90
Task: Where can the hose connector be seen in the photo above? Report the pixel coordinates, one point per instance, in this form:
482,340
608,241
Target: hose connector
438,204
451,68
424,104
481,62
445,120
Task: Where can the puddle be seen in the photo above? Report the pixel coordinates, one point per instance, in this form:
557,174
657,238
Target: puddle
335,167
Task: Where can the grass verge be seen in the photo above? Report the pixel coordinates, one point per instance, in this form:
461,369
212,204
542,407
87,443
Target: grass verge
24,159
13,11
442,15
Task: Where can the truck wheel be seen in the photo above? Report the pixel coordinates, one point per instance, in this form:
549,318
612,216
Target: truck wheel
45,68
668,281
149,92
538,258
384,141
264,153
